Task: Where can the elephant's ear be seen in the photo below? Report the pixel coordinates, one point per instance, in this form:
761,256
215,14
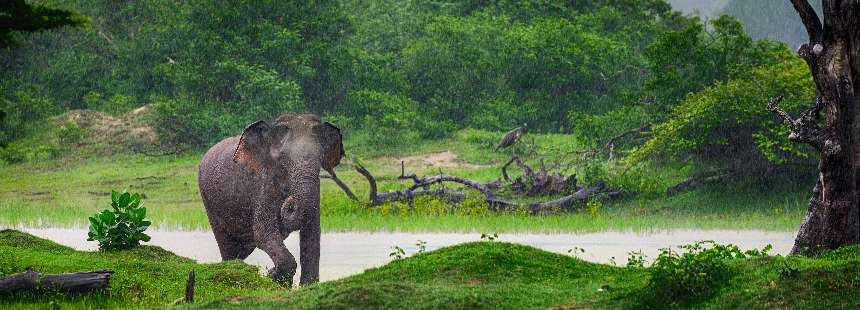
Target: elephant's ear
253,148
332,145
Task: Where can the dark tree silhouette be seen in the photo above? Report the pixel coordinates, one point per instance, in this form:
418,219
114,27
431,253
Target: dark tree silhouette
833,56
18,15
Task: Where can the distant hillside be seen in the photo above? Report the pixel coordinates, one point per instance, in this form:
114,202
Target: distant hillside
772,19
701,8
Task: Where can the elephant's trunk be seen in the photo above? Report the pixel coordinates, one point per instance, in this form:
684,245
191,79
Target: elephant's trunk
302,209
304,188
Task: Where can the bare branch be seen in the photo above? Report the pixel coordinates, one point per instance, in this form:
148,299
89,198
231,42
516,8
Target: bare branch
447,178
340,184
610,144
810,20
804,129
421,187
370,179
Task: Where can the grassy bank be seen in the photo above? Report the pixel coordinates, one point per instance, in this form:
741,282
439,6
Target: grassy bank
143,277
490,275
63,192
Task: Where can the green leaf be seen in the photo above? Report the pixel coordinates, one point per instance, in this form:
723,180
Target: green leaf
122,227
134,201
107,218
124,200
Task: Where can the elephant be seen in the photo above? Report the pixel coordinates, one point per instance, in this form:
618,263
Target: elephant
260,186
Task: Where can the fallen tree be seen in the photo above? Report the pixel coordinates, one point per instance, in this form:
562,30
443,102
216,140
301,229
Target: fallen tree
697,180
79,282
542,183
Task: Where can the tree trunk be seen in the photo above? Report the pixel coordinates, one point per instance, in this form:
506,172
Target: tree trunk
833,56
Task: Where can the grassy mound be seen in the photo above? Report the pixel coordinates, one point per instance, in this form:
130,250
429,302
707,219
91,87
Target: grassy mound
488,275
495,275
472,275
146,276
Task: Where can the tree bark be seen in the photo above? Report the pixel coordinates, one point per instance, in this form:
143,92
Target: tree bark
833,56
79,282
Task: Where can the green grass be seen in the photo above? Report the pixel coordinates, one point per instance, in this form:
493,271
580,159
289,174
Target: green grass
145,276
65,191
488,275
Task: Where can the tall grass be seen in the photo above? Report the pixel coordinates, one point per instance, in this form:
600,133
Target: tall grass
64,192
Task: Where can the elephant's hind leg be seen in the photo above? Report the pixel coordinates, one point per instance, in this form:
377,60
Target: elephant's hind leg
231,244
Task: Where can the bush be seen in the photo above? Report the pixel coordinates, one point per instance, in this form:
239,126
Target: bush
389,119
34,148
483,138
690,276
70,133
120,228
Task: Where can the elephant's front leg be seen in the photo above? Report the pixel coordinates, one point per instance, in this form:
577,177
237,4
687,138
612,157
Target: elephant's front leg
268,237
310,250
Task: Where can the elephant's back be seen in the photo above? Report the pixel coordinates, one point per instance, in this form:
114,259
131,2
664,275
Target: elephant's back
226,187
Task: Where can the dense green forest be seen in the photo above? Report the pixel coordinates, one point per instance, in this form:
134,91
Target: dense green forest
395,72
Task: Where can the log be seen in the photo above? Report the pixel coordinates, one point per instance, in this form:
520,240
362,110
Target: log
78,282
697,180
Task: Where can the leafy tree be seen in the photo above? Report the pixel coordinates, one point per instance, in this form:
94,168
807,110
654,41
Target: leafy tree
209,67
726,124
18,15
690,59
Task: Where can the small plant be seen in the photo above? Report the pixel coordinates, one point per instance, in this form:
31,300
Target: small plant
397,252
593,206
70,133
636,259
575,251
422,246
489,237
786,270
120,228
696,273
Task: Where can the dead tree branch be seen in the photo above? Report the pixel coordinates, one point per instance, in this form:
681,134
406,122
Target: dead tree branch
421,187
340,184
372,194
542,182
79,282
609,147
696,180
805,128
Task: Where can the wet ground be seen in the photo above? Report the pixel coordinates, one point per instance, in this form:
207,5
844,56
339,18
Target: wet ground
347,253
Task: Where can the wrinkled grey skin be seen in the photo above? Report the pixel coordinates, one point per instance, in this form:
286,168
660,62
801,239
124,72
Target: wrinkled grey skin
259,187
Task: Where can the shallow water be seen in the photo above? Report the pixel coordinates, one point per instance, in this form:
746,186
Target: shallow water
347,253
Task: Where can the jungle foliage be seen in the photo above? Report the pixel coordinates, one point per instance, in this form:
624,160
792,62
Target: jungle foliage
394,72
